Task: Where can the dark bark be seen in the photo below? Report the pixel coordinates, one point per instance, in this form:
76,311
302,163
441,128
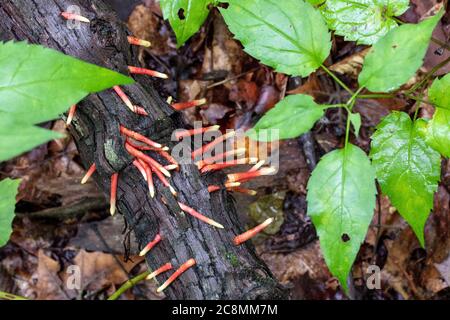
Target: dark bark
223,270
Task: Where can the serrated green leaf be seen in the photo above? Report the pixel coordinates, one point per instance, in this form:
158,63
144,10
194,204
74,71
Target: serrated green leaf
290,35
437,131
185,16
36,85
363,21
439,92
292,116
341,200
8,191
355,119
407,168
395,58
16,137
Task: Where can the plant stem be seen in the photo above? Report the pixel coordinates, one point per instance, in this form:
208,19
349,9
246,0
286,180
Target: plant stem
349,107
419,103
342,84
9,296
328,106
419,99
429,75
128,285
376,96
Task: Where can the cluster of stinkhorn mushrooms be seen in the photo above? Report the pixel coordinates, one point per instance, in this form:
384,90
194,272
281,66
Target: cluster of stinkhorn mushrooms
137,144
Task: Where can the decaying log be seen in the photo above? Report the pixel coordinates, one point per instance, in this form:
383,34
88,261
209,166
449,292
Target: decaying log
223,270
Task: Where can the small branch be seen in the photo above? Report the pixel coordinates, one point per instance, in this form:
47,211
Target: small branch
10,296
72,211
342,84
128,285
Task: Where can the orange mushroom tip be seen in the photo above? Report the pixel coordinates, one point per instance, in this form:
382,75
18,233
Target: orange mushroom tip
168,157
245,176
185,266
164,268
139,137
148,72
200,151
151,186
73,16
114,181
257,166
249,192
214,188
219,166
141,169
190,104
71,114
192,132
199,216
138,42
124,98
89,173
252,232
140,111
221,156
150,245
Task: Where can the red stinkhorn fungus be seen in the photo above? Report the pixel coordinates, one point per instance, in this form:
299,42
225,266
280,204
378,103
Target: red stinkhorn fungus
245,176
252,232
149,174
71,114
124,98
138,42
153,163
199,216
73,16
141,169
186,105
89,173
114,180
212,144
220,166
188,264
187,133
150,245
148,72
164,268
139,137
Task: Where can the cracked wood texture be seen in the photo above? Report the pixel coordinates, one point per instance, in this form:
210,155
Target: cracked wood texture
223,271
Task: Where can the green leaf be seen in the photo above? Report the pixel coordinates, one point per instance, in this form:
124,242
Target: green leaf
355,119
408,170
292,116
341,200
290,35
438,92
364,21
185,16
315,2
17,137
8,191
395,58
36,85
437,131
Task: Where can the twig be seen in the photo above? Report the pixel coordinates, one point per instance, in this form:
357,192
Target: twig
10,296
128,285
232,78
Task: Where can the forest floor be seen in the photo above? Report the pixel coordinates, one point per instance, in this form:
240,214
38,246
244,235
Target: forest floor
61,223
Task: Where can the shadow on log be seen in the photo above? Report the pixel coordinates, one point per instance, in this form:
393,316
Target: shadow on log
223,271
